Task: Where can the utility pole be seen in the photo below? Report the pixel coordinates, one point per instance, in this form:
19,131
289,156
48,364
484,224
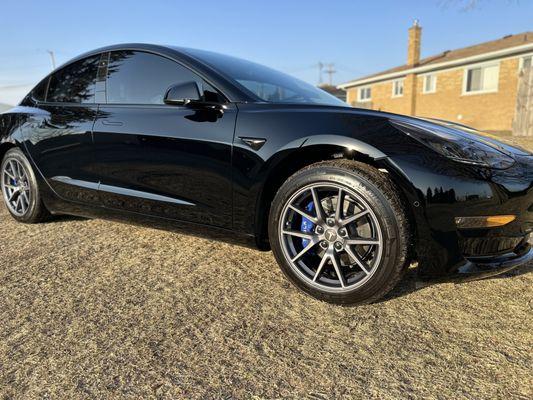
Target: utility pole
52,58
320,67
330,70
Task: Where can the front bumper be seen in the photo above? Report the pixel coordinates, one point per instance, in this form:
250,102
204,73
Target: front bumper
445,191
493,251
483,267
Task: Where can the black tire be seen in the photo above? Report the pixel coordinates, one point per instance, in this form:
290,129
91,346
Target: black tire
383,199
36,211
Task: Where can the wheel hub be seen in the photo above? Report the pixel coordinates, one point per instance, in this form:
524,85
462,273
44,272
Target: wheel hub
330,235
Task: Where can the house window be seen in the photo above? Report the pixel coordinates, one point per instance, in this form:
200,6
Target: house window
430,84
481,79
397,88
364,94
526,62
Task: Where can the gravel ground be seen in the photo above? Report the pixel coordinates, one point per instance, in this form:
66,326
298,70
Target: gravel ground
95,309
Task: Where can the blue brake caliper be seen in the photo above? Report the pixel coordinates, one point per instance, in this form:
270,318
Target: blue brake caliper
307,225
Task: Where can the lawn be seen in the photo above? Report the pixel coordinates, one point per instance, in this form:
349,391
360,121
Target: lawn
93,309
524,141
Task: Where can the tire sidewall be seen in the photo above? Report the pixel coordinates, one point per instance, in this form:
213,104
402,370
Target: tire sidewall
382,209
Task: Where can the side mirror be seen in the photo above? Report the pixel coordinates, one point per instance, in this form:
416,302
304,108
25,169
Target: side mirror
182,94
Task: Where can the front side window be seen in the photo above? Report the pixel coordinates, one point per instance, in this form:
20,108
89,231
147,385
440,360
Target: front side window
74,83
136,77
364,94
397,88
430,84
482,79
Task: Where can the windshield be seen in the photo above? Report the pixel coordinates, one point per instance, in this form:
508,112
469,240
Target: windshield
265,83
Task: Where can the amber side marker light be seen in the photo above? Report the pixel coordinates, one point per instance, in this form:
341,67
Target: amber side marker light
490,221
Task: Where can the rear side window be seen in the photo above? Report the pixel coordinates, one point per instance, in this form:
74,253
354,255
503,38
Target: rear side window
135,77
75,83
39,93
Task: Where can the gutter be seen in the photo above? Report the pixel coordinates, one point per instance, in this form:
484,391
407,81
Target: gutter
431,67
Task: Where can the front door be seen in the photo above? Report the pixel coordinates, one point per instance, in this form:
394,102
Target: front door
167,161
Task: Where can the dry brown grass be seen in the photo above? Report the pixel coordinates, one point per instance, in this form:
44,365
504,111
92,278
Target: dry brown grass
95,309
524,141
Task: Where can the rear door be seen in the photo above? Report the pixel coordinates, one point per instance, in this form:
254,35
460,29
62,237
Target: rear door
59,136
162,160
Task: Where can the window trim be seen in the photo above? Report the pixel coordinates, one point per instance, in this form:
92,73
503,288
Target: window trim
107,103
32,93
434,90
99,53
62,67
191,70
360,91
394,82
475,66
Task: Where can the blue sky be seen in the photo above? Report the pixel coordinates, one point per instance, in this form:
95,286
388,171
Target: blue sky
360,37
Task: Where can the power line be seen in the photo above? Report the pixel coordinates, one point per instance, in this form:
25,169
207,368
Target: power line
329,69
351,70
299,69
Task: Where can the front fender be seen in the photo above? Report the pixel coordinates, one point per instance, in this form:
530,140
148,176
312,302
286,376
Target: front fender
350,144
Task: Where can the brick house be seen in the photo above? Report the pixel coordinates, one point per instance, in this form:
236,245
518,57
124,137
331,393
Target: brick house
475,85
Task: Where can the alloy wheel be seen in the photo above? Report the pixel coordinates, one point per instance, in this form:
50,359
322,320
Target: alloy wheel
16,187
331,237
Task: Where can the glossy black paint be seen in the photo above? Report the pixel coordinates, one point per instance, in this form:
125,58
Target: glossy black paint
190,168
168,151
59,140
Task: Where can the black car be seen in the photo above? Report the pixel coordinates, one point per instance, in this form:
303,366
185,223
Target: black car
209,144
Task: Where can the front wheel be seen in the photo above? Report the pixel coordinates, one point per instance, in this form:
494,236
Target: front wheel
339,232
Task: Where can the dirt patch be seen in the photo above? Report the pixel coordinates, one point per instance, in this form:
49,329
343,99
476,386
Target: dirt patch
95,309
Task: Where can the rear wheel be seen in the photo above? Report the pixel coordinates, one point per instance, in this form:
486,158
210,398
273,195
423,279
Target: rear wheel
20,190
339,232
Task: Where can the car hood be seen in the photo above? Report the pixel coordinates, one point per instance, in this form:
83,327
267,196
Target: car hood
504,145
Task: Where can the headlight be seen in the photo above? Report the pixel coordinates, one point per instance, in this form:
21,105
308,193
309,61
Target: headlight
458,146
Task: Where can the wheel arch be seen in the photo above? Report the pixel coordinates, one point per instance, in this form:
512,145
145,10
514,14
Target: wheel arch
313,149
10,135
4,148
334,147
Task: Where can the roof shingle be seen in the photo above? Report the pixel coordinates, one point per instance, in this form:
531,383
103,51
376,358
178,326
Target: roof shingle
451,55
